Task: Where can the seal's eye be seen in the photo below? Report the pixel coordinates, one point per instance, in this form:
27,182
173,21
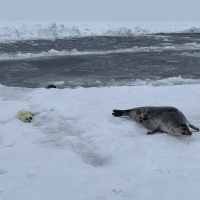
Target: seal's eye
26,119
30,118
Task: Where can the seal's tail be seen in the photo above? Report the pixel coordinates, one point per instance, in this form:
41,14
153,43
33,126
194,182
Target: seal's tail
119,113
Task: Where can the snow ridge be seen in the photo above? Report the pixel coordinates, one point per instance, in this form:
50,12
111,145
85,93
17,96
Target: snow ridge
53,30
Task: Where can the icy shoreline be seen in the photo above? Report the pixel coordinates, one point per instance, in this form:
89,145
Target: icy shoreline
52,30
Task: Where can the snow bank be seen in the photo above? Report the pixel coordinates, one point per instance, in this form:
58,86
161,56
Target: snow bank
75,148
53,30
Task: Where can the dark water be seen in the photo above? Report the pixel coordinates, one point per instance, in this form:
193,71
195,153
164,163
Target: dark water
153,57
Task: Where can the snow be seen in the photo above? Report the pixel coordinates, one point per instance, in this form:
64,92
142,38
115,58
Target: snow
24,30
76,149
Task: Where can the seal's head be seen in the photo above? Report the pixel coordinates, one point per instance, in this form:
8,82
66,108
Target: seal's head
51,86
183,130
27,117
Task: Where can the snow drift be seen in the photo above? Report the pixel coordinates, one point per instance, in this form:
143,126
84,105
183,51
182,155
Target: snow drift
76,149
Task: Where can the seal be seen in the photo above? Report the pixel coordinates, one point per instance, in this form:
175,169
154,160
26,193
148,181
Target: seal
26,116
50,86
159,119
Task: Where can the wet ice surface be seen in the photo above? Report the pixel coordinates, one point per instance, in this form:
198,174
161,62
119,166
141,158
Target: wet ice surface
99,61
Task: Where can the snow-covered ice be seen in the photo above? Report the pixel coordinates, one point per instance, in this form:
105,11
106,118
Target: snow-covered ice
76,149
11,31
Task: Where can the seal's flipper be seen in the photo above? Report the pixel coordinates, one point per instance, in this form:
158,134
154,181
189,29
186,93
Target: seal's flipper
193,127
155,132
119,113
152,132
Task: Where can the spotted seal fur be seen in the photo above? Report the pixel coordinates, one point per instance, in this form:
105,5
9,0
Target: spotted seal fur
159,119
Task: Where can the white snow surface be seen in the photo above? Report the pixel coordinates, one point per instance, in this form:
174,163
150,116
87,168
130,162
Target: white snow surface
52,30
75,148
